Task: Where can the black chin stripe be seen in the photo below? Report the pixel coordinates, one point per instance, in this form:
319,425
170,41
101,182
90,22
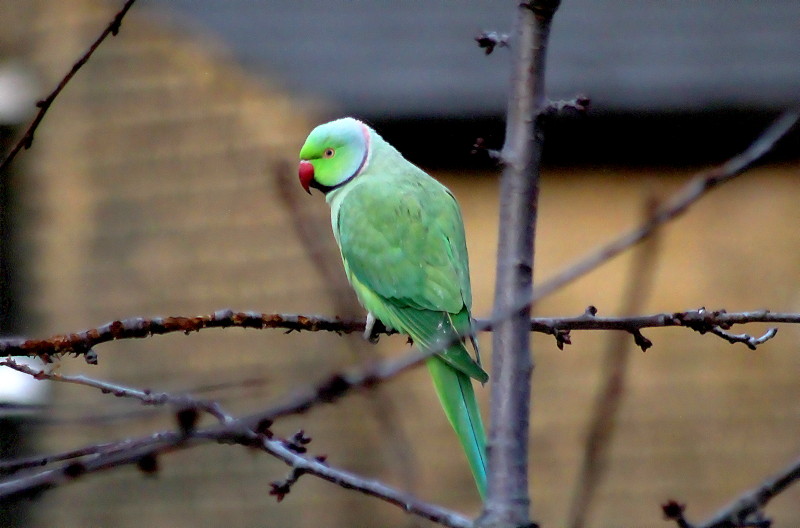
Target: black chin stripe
328,188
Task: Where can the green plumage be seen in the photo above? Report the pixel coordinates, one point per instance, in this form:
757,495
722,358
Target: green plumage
402,242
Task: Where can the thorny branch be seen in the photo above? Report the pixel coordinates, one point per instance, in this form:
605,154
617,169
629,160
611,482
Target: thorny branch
140,327
44,105
703,321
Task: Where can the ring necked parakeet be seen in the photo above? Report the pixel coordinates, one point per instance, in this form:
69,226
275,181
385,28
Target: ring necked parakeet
402,242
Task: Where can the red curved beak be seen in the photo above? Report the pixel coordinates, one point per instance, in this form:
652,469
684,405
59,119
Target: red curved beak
306,173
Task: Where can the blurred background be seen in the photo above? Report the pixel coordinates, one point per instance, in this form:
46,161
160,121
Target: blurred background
163,182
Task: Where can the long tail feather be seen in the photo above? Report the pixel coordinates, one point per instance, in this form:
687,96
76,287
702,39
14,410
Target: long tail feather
458,400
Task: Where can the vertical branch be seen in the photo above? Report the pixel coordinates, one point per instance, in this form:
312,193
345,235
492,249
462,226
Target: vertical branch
610,395
508,503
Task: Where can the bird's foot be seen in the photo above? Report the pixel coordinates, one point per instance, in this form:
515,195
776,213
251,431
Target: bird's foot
369,329
374,328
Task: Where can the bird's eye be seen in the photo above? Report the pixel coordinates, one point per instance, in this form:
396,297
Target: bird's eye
329,153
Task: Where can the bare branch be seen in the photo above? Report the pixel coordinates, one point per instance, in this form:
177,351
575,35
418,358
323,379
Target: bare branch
610,395
329,390
695,189
700,320
44,105
141,327
9,466
249,431
749,504
110,456
147,397
128,452
508,502
373,488
750,341
745,510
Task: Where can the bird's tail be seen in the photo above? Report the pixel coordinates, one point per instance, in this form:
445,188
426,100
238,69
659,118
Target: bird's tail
458,400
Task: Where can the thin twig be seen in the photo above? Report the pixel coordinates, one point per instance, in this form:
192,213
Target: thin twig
370,487
701,320
750,341
251,431
44,105
147,397
8,466
121,453
749,504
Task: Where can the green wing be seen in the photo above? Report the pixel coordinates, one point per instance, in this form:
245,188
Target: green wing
403,246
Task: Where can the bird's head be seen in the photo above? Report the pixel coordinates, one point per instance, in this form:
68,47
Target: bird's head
333,154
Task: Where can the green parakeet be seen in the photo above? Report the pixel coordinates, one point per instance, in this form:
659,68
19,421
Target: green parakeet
402,242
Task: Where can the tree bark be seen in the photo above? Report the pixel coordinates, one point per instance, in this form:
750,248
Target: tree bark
508,503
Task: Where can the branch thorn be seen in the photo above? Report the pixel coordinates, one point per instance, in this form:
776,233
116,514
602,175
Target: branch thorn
673,511
640,340
488,40
187,420
479,146
579,103
298,442
148,464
